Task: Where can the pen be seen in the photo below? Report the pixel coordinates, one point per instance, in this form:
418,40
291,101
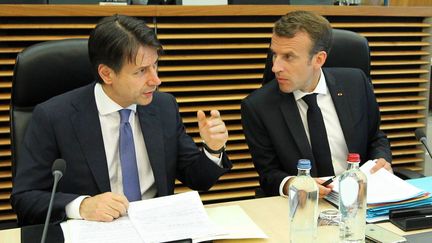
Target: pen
328,182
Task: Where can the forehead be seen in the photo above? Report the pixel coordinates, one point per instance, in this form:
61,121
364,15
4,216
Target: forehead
145,56
299,43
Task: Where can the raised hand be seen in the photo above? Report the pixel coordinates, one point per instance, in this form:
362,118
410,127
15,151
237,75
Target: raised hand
212,129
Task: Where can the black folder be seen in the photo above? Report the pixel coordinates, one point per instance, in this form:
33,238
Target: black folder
412,218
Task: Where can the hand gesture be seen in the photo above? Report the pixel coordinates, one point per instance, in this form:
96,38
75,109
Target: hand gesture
212,130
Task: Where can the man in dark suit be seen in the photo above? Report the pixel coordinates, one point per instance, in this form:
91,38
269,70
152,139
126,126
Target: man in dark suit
276,119
87,127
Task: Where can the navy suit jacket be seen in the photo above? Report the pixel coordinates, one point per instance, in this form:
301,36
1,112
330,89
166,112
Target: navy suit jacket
276,136
68,127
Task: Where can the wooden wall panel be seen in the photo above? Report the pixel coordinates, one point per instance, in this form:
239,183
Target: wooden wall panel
410,3
215,56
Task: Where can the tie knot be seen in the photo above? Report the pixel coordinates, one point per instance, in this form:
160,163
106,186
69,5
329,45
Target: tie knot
124,115
311,100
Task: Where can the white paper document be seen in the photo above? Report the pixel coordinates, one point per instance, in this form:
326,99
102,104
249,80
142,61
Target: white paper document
383,186
235,221
118,231
171,218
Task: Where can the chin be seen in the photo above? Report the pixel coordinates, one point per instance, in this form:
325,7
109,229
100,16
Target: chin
146,101
285,89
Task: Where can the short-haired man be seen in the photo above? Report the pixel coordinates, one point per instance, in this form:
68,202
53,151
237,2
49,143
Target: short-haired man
122,139
276,120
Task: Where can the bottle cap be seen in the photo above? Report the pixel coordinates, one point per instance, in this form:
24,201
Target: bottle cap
353,158
304,164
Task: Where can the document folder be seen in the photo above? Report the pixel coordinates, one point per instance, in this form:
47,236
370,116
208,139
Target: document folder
412,218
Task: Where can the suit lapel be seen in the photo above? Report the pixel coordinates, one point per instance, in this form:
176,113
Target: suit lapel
289,109
150,121
342,106
87,127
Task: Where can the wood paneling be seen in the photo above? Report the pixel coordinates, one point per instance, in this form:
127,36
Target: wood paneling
214,57
410,3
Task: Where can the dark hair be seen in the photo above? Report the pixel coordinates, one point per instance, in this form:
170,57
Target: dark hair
316,26
116,39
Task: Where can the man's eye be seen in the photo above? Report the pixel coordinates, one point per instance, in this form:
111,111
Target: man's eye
141,70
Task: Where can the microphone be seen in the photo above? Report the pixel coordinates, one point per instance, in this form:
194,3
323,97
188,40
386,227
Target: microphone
420,135
58,169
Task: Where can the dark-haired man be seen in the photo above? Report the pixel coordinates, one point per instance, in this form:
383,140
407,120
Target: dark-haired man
281,120
122,139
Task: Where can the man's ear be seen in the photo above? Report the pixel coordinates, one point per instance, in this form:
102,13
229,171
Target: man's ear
320,58
106,73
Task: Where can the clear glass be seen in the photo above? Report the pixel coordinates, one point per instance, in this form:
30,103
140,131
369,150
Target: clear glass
347,2
303,203
352,204
328,226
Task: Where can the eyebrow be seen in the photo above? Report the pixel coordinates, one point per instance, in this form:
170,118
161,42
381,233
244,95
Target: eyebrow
139,67
284,53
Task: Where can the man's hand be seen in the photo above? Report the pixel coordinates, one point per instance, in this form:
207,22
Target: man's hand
323,190
212,130
381,163
104,207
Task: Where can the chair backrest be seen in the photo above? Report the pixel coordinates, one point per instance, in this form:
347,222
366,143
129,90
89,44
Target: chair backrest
349,49
42,71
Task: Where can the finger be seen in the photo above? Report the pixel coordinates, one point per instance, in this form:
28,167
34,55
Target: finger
380,163
201,118
116,210
217,129
105,218
217,138
388,167
119,209
121,199
215,114
323,191
212,122
375,168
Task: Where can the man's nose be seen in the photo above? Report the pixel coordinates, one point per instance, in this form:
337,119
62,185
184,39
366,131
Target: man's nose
154,79
277,67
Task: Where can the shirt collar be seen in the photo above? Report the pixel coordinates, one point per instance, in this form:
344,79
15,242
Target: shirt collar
321,88
105,104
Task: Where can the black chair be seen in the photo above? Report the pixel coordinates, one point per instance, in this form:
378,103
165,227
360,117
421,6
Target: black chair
348,49
42,71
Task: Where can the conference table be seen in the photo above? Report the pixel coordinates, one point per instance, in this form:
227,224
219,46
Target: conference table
270,214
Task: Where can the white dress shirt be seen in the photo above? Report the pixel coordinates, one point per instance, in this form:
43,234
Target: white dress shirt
109,118
335,136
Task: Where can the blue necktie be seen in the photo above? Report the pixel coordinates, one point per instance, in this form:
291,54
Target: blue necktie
131,186
318,137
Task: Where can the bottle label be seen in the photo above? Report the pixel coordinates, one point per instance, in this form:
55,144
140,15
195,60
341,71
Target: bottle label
348,191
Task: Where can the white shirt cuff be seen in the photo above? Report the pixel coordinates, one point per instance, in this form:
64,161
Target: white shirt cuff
72,208
215,159
281,186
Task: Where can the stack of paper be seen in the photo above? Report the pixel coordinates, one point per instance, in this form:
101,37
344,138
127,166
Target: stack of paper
169,218
385,191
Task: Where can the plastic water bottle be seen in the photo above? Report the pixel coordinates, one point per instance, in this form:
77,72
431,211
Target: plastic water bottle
303,202
352,201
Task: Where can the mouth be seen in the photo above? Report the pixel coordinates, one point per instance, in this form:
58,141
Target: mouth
281,80
150,92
